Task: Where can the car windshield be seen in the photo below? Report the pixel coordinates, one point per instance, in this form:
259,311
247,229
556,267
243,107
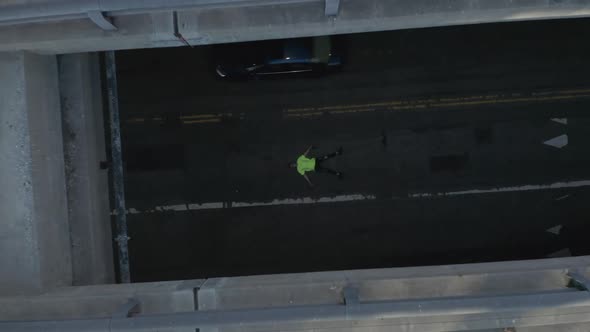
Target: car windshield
249,54
297,50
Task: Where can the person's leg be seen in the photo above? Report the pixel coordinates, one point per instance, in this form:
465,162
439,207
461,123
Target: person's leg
331,155
319,168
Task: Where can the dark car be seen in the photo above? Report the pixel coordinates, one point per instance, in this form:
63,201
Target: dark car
276,58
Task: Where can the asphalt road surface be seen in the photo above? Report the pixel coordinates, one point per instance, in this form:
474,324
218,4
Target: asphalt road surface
462,144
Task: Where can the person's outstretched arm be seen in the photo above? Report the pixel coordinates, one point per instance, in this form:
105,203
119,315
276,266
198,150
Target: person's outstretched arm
308,180
307,151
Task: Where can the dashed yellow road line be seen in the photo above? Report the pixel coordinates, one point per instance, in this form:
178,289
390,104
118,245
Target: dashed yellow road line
199,116
214,120
306,114
136,120
185,119
422,104
202,118
360,110
394,105
513,100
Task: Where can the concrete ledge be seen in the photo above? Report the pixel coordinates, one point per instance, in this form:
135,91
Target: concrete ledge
448,314
76,36
308,19
438,298
101,301
232,24
34,236
87,185
485,279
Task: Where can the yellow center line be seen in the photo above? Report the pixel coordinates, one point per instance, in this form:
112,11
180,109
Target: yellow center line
511,100
199,116
397,105
304,114
135,120
442,102
353,111
214,120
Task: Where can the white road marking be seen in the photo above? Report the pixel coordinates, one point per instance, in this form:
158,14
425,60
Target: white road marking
562,197
529,187
353,197
206,206
306,200
557,142
554,230
563,121
179,207
275,202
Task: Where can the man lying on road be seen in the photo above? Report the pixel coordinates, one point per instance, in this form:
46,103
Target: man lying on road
306,164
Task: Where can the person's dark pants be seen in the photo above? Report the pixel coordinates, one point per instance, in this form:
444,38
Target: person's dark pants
326,157
320,168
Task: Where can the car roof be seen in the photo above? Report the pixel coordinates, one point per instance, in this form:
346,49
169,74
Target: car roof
298,50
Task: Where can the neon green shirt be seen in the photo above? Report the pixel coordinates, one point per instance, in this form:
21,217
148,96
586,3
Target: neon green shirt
305,164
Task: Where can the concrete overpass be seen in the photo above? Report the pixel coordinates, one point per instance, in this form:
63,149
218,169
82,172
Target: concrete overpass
70,26
55,236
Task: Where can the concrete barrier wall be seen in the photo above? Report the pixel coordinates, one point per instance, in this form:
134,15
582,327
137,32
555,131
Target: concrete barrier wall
519,294
34,235
101,301
484,279
87,184
207,26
